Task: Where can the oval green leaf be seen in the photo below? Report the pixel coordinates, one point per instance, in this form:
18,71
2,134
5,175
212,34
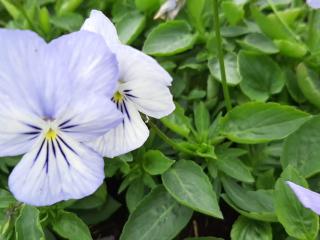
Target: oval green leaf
231,67
261,122
301,149
190,186
308,81
299,222
68,225
28,225
244,229
130,26
169,38
158,217
260,76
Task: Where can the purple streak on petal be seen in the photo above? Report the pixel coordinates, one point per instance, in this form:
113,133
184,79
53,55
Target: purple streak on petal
308,198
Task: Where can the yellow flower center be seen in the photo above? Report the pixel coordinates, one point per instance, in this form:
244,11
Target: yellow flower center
118,97
51,134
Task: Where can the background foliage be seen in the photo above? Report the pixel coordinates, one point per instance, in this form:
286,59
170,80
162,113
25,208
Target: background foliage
200,164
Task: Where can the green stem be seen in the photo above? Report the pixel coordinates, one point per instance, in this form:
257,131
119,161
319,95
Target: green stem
284,24
169,141
221,56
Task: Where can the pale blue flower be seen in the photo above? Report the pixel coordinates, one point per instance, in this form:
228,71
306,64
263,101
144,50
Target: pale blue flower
308,198
143,86
314,3
54,97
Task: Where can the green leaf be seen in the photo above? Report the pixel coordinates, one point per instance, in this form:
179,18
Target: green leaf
261,122
244,229
299,222
147,5
301,148
68,225
158,217
69,22
234,31
270,25
260,201
155,162
178,122
68,6
135,193
231,67
201,120
190,186
6,199
259,43
293,87
260,76
169,38
231,165
195,9
308,81
130,26
97,215
260,216
203,238
11,8
28,225
233,12
291,48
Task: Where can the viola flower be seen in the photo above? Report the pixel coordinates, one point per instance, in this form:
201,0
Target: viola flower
52,99
314,3
142,87
308,198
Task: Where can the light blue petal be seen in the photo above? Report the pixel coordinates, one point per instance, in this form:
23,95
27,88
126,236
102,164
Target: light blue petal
89,117
19,105
56,170
314,3
308,198
89,61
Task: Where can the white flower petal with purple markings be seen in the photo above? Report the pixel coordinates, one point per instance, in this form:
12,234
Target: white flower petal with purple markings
143,87
52,100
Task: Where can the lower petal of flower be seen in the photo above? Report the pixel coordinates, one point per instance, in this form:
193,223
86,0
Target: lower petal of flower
57,168
129,135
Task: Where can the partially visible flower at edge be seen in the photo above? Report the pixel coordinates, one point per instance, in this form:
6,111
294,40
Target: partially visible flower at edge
314,3
142,87
52,99
308,198
169,9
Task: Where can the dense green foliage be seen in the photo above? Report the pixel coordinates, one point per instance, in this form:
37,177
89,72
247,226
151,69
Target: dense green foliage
201,155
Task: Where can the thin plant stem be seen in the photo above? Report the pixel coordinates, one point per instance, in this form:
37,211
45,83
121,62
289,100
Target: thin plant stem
221,56
169,141
284,24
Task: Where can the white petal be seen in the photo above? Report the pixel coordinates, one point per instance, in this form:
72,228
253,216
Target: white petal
128,136
151,98
56,170
99,23
135,65
308,198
